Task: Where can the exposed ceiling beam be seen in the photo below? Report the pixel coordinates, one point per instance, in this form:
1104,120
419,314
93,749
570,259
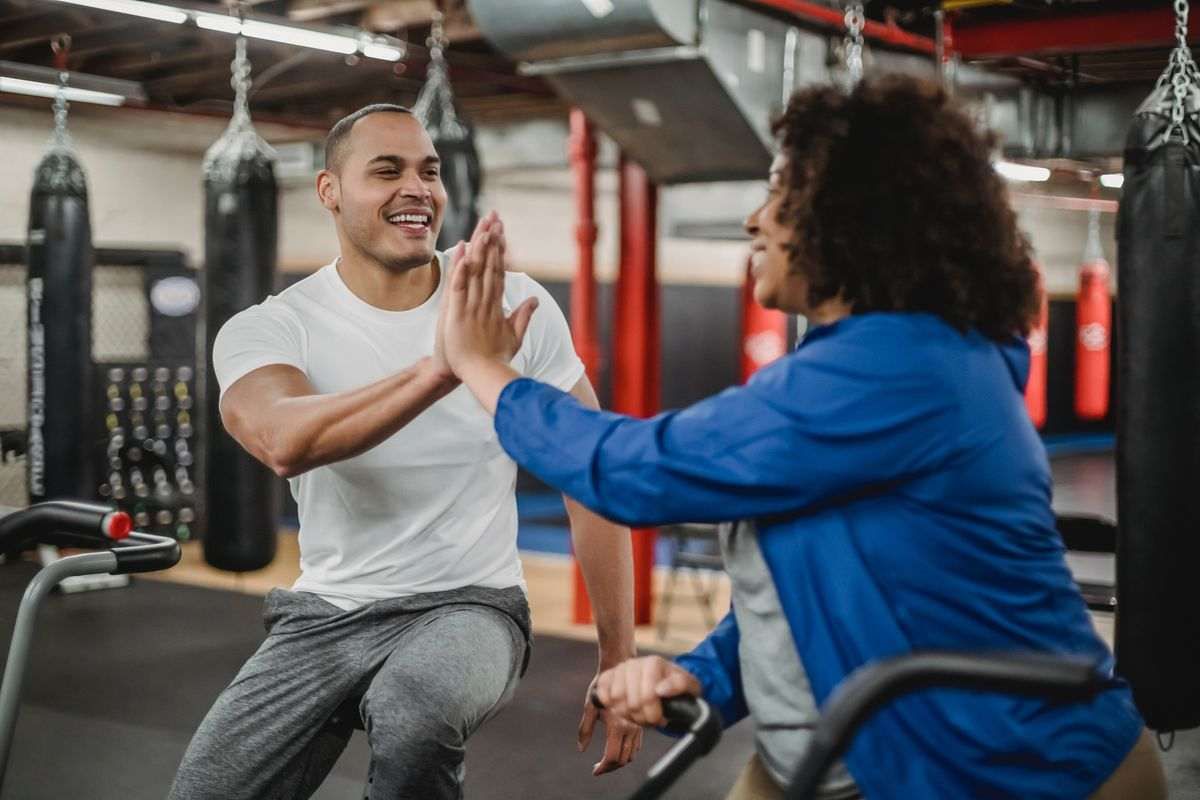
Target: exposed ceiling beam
155,63
1073,33
44,27
317,84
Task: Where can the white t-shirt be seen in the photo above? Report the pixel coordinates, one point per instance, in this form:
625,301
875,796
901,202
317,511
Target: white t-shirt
431,508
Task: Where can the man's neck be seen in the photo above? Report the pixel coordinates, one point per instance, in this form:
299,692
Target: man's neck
385,289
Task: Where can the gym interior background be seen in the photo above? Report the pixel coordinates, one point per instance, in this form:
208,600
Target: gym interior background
573,106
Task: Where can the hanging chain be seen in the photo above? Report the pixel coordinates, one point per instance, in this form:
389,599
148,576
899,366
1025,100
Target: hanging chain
240,81
437,40
437,84
61,45
855,19
60,109
1181,72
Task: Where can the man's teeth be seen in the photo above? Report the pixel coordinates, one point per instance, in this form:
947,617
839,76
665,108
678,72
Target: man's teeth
416,219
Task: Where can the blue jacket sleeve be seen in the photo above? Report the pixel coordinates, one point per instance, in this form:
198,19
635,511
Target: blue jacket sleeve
805,431
715,664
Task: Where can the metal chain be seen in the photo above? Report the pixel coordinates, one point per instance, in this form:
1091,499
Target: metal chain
61,46
240,81
437,40
437,84
60,109
1181,72
855,19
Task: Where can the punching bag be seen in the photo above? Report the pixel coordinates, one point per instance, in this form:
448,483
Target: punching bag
1158,420
1035,386
59,295
240,228
455,143
1093,328
764,331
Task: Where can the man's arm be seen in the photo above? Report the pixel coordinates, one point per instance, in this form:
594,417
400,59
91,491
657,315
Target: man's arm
605,557
275,414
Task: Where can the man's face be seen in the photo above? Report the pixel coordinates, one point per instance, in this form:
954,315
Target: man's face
387,196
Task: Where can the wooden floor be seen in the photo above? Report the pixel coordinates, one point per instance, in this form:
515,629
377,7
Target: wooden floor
548,578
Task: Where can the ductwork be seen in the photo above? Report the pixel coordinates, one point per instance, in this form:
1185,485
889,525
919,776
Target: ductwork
687,88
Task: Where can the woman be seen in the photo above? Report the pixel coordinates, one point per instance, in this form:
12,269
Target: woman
897,496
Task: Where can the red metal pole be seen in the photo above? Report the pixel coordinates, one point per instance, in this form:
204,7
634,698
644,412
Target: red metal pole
581,149
636,341
582,154
764,331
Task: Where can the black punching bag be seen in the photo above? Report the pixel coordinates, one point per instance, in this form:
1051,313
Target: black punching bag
59,295
240,228
1158,422
455,143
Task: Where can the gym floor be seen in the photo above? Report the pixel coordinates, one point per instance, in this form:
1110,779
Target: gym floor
120,679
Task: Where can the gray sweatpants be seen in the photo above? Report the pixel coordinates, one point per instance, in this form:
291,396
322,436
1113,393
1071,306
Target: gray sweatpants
430,669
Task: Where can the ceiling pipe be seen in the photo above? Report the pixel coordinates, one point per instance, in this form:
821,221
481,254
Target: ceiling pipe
826,17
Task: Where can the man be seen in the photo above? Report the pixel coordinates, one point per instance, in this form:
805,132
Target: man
410,593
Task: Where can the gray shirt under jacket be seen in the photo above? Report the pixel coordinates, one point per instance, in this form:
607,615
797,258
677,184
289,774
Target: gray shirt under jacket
774,682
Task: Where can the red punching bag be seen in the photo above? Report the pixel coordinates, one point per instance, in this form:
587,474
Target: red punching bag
764,331
1093,326
1035,387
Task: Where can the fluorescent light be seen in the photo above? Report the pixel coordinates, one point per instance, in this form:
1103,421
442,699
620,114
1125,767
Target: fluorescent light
299,36
218,22
384,48
386,52
137,8
1112,180
22,86
1021,172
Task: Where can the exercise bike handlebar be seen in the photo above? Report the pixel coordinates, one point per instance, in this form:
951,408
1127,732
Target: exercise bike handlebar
75,524
699,728
1053,677
72,523
67,522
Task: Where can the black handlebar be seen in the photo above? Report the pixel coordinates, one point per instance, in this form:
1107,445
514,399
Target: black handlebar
145,552
66,523
1056,678
699,726
69,523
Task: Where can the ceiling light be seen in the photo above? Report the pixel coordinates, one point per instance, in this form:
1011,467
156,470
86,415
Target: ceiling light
137,8
218,22
1021,172
385,52
37,89
41,81
301,37
385,48
1112,180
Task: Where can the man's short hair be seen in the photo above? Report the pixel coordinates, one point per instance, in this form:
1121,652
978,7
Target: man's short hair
335,141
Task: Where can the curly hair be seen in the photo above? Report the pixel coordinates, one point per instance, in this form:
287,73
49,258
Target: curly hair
896,207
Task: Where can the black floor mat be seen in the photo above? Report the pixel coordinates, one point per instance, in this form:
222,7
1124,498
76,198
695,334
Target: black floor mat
120,678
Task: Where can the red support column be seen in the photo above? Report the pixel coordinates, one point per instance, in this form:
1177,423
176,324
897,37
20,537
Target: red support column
764,331
581,149
637,341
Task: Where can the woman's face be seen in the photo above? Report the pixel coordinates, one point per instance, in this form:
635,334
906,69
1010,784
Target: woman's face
775,285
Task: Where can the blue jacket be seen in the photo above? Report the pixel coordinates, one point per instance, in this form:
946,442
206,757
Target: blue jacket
903,503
